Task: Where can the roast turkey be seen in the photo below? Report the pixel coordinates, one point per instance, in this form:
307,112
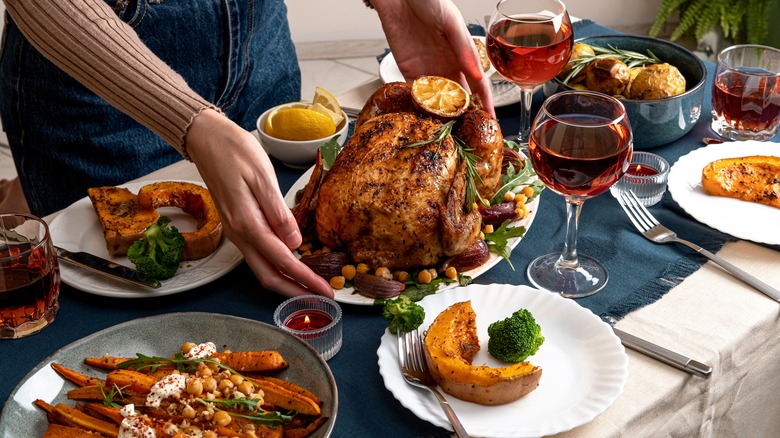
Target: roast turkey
395,195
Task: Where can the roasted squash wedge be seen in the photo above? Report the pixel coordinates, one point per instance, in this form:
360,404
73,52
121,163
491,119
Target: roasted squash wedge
753,178
450,345
194,200
122,218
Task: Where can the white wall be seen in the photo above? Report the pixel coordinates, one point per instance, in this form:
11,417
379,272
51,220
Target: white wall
328,20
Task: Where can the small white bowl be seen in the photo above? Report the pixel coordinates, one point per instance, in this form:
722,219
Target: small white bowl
297,154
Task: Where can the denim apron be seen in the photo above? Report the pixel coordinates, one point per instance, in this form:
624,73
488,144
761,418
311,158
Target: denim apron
237,54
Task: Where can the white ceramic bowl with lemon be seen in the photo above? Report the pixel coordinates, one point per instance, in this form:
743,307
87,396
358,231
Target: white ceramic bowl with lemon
293,132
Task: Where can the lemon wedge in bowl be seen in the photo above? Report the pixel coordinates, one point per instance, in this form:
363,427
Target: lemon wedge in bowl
300,124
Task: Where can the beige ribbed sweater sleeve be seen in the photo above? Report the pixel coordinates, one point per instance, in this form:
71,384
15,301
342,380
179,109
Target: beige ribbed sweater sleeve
87,40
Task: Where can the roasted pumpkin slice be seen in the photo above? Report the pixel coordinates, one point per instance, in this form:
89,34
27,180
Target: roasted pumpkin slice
194,200
754,178
450,345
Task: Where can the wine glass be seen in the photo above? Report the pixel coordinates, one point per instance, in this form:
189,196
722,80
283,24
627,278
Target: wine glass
580,145
529,43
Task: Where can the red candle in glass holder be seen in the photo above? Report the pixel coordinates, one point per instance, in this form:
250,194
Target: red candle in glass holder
305,320
642,170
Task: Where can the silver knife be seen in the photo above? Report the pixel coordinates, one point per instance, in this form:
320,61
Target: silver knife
103,266
664,355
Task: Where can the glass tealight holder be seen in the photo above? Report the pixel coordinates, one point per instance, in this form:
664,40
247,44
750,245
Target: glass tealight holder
646,177
314,319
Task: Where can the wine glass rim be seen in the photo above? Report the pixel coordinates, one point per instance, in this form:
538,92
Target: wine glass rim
602,96
536,15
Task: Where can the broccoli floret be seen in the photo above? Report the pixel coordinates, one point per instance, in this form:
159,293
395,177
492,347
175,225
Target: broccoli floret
515,338
402,314
158,253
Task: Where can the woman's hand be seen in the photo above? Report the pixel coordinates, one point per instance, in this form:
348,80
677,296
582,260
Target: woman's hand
255,217
430,38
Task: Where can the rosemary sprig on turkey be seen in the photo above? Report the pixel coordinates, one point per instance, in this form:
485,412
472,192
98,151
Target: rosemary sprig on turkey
464,154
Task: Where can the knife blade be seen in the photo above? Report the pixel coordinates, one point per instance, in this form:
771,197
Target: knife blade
103,266
664,355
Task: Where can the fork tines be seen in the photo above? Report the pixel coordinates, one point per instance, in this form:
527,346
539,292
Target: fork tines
636,212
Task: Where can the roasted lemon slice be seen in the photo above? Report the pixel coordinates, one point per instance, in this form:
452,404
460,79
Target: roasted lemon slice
440,96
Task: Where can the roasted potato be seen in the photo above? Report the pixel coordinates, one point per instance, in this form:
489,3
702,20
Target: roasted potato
607,75
657,81
579,51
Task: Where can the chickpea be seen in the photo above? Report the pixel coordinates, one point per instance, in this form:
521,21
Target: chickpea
236,379
209,384
362,268
210,434
222,418
187,347
451,273
424,277
383,272
225,384
528,191
434,274
203,370
402,276
246,387
521,199
337,282
487,229
188,412
509,196
194,386
348,271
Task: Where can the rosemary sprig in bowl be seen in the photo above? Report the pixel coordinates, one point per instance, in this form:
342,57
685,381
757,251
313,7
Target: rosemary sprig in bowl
628,57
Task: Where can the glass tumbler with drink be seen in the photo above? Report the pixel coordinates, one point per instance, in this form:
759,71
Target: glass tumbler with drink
30,283
746,93
581,144
529,42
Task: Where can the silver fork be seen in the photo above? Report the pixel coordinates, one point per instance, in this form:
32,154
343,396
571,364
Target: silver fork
415,372
655,232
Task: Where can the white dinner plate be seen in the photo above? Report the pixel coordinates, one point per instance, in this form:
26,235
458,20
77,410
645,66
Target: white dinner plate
504,93
584,366
348,294
77,229
741,219
21,419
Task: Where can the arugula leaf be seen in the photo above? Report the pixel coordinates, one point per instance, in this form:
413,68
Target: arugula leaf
108,399
258,415
498,240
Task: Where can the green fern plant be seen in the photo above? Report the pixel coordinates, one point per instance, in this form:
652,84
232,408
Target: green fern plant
740,20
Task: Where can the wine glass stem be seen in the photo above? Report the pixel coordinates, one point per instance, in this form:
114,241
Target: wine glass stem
568,257
527,98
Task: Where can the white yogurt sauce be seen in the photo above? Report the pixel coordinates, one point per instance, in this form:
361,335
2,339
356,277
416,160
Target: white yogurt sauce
201,351
172,384
134,427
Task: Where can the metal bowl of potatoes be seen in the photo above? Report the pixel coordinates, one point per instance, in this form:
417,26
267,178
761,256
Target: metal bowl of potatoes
663,100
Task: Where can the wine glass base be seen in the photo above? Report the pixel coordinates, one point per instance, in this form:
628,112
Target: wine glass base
586,278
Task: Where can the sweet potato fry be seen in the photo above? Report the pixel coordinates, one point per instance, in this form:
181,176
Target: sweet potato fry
105,362
281,397
60,431
302,432
101,410
97,393
252,361
75,376
66,415
131,380
288,385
